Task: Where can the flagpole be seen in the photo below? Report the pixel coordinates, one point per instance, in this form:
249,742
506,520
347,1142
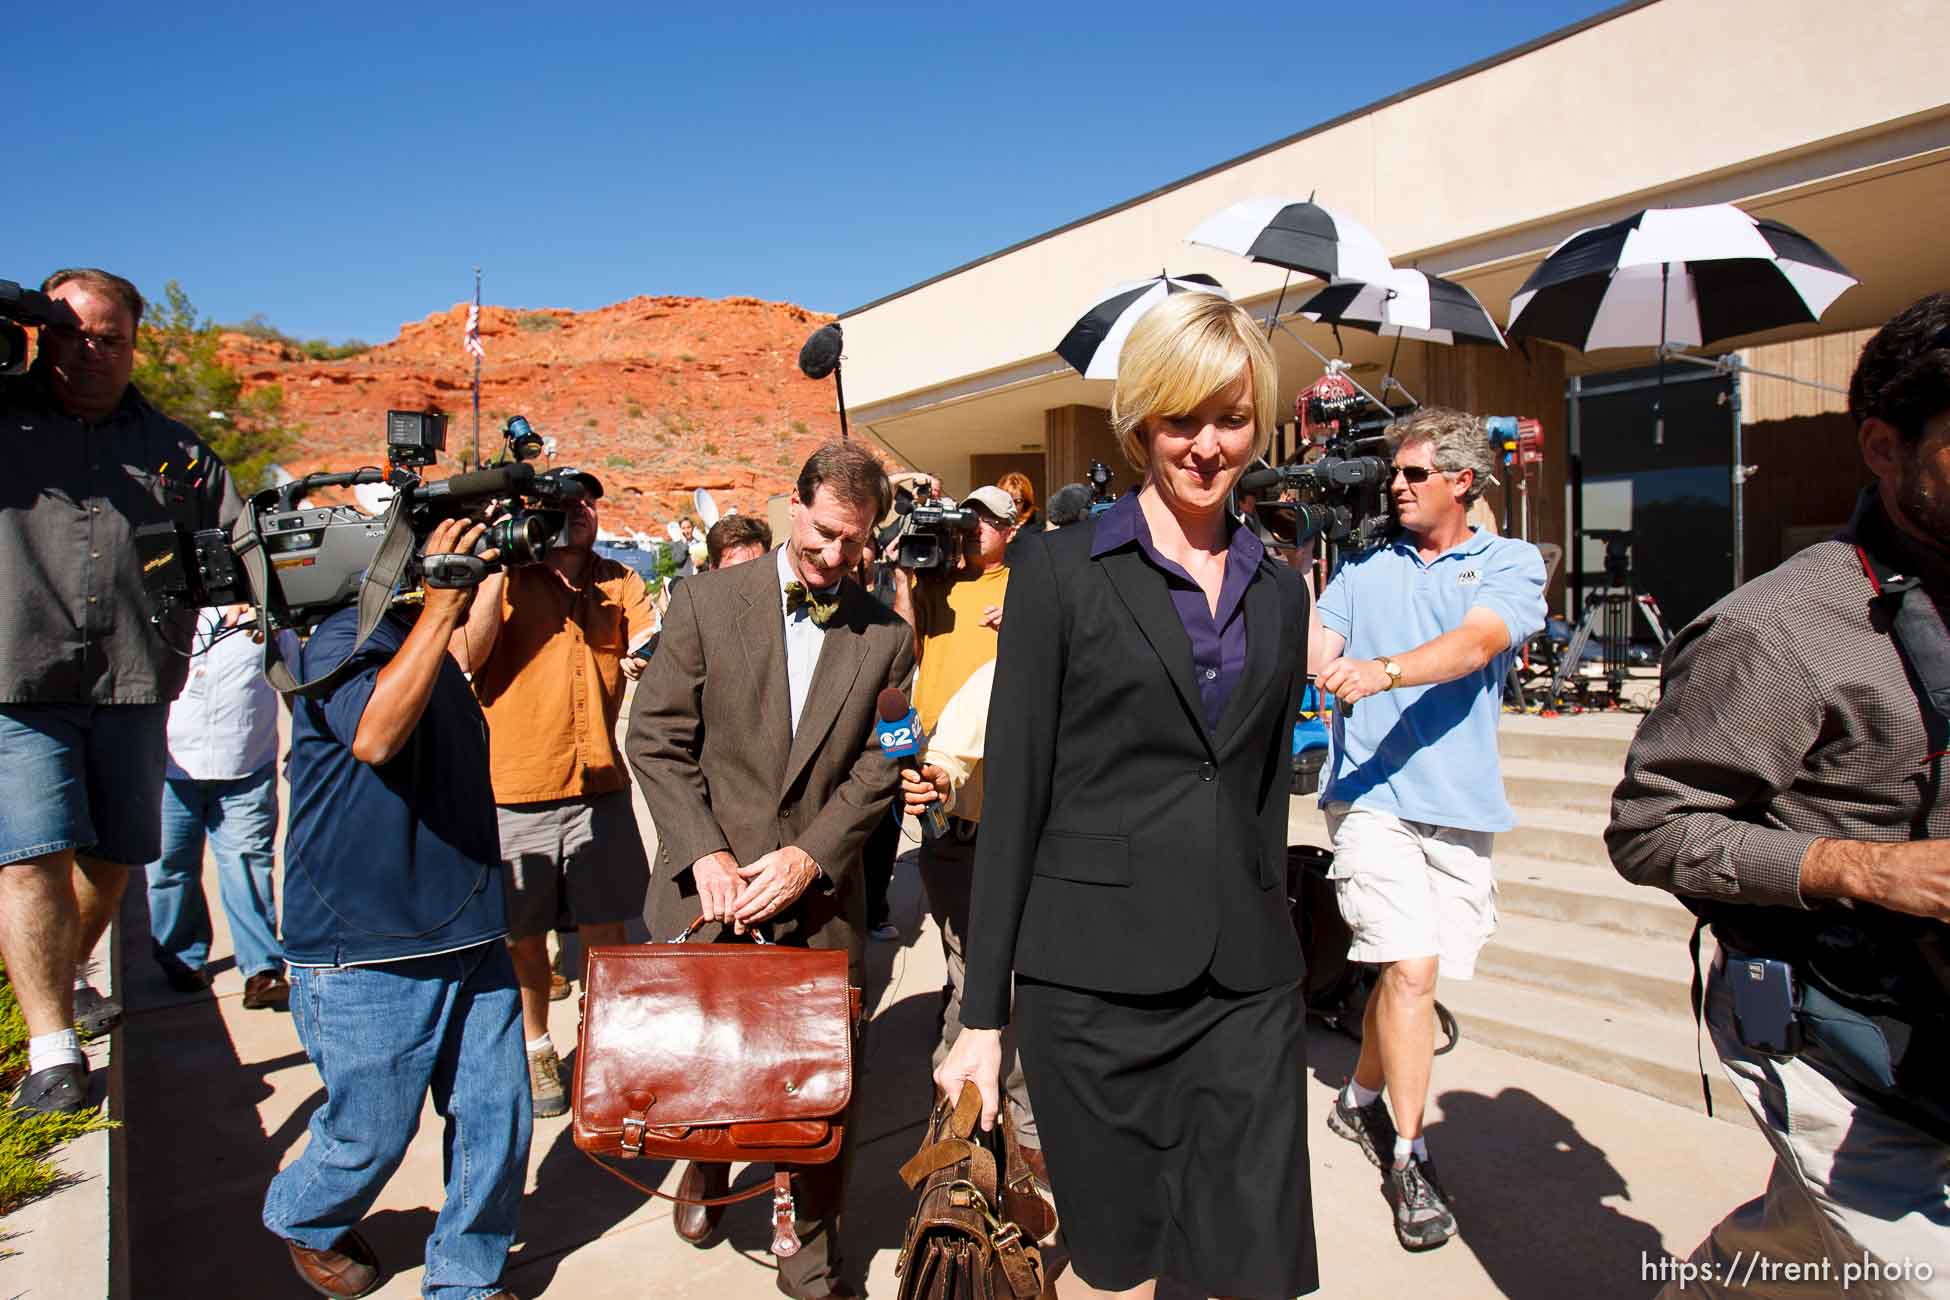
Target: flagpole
477,376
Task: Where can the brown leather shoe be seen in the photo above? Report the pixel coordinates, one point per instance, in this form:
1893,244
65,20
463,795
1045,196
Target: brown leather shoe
346,1271
701,1182
268,990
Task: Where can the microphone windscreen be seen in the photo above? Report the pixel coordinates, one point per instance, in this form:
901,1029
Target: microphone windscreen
1258,480
821,352
500,481
892,704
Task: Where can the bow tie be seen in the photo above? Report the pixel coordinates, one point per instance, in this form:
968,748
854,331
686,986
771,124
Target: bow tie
820,603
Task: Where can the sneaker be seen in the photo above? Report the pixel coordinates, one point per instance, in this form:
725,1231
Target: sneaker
1422,1217
268,990
545,1083
1369,1126
95,1015
887,932
57,1090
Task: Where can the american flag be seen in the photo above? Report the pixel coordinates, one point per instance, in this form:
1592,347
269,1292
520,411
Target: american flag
472,339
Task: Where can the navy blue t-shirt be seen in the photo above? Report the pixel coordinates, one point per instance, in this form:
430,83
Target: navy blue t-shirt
399,860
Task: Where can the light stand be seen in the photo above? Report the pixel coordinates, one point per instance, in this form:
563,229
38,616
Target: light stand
1731,364
1335,365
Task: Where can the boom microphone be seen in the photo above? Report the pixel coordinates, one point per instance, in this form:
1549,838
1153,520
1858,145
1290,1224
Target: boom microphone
821,352
899,734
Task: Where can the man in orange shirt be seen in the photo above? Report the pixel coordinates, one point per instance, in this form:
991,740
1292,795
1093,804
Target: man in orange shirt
549,645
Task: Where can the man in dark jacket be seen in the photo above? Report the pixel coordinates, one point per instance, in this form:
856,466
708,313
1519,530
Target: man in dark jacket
1789,788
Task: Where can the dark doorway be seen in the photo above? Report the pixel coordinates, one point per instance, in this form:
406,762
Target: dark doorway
1675,494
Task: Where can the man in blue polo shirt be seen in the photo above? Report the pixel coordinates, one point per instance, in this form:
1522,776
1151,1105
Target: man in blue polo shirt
393,929
1419,630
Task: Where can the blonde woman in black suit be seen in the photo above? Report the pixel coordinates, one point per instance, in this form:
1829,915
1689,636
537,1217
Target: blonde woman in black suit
1130,878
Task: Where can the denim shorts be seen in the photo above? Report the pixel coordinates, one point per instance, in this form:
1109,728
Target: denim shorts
82,776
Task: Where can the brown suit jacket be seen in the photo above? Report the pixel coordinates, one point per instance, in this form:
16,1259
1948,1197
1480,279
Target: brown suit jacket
712,746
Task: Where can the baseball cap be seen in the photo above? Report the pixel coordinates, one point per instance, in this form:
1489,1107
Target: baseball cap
994,500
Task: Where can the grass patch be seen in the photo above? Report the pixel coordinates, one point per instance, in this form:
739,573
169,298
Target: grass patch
616,460
26,1140
709,448
686,356
799,426
634,411
535,322
590,423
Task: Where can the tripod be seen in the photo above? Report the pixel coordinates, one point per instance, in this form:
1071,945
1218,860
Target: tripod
1608,616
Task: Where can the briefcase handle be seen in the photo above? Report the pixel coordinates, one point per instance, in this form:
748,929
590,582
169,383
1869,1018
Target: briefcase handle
758,935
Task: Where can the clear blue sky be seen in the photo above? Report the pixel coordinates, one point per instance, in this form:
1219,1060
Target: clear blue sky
342,167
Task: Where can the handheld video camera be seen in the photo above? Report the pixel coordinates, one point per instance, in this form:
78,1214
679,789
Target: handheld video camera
1102,497
931,530
316,557
19,308
1341,494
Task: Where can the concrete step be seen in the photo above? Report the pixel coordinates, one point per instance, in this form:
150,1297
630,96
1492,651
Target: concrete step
1563,891
1587,738
1635,972
1562,785
1648,1053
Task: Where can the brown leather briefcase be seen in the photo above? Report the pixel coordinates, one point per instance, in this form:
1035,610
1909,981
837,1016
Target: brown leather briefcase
979,1216
717,1052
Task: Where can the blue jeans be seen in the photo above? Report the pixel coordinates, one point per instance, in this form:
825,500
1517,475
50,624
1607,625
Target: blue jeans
241,818
381,1037
83,777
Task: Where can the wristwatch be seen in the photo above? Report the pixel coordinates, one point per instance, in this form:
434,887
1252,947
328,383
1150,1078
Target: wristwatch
1393,669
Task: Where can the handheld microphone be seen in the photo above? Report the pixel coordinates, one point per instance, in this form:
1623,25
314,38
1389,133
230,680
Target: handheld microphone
899,732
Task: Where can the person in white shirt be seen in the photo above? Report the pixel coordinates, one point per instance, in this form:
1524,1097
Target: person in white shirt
221,783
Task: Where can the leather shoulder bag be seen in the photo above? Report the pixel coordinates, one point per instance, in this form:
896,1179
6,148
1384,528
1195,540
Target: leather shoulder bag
974,1231
729,1053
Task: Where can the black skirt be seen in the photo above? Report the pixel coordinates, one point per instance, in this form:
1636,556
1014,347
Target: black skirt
1175,1127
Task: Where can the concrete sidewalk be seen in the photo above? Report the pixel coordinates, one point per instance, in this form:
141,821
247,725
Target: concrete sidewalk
1565,1185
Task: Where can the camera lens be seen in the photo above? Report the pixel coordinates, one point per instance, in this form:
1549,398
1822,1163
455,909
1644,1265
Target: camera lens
521,539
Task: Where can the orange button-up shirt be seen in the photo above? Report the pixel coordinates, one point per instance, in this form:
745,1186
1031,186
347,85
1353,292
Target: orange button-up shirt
553,685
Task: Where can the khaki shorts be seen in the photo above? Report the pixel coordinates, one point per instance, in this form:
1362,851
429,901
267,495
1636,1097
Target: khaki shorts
572,862
1410,889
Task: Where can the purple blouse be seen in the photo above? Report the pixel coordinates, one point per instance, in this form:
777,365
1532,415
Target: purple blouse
1218,644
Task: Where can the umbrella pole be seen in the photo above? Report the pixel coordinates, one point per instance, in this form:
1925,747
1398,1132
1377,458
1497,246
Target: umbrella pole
1278,303
1322,358
1389,381
1659,394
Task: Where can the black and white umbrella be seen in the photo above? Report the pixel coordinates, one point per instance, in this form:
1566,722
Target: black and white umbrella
1677,277
1094,341
1406,304
1297,234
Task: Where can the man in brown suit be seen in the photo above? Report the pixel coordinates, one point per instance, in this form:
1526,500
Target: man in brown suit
752,738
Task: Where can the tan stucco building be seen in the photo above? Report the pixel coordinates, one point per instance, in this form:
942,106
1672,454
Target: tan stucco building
1833,119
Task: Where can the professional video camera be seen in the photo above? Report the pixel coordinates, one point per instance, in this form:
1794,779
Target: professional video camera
21,307
931,530
1339,493
315,559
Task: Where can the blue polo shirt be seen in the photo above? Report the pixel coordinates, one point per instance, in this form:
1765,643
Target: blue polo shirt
394,861
1428,753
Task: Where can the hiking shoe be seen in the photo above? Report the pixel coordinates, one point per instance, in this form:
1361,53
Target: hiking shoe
95,1015
1369,1126
545,1083
1422,1217
181,977
57,1090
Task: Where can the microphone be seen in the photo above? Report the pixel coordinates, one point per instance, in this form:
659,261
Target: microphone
1258,480
503,480
899,732
821,352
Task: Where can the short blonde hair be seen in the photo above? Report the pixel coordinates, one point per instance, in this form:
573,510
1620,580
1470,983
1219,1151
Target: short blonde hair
1180,353
1457,442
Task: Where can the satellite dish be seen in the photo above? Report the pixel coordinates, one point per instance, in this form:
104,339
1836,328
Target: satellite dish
372,498
706,508
675,535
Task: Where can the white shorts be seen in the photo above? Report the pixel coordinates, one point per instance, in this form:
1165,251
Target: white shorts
1410,889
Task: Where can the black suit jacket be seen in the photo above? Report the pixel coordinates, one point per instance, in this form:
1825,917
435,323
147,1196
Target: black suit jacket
1125,848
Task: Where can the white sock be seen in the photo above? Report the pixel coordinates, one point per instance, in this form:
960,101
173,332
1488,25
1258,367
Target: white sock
58,1048
1357,1096
544,1043
1406,1147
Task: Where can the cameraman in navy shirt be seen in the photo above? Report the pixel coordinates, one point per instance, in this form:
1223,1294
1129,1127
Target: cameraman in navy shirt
393,924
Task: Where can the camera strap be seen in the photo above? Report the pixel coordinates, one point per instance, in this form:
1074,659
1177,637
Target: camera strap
1916,625
375,593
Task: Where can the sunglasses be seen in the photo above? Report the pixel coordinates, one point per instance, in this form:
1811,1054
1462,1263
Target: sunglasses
1415,474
